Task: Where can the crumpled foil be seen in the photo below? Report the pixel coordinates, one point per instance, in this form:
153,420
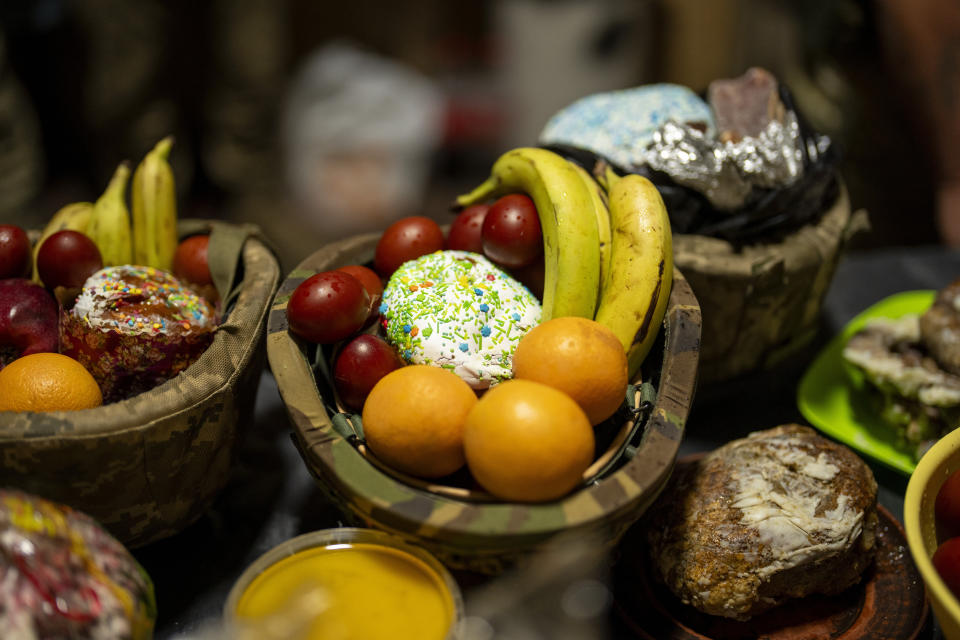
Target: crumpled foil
727,172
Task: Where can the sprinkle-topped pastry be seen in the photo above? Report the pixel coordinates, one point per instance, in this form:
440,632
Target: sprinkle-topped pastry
134,327
457,310
132,299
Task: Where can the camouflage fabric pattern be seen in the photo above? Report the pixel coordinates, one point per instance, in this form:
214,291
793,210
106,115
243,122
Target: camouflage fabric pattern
148,466
482,537
761,303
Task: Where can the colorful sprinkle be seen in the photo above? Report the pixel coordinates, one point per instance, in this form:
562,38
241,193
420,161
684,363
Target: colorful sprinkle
450,324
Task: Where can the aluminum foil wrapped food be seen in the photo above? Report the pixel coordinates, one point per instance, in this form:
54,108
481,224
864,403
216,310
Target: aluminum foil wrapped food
741,166
63,576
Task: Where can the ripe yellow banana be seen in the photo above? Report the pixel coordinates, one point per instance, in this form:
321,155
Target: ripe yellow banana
74,216
571,245
602,212
109,226
633,298
154,204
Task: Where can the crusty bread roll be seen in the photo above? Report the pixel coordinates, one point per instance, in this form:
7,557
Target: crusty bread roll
780,514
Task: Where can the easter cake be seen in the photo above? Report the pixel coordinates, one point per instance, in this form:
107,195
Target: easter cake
458,311
134,327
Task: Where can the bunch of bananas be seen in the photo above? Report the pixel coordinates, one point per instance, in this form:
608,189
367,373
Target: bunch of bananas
608,249
150,237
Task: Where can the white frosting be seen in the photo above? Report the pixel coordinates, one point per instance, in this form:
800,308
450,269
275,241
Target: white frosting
457,310
781,505
134,300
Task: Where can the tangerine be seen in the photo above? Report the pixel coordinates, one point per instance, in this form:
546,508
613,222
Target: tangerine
578,356
47,382
413,420
527,442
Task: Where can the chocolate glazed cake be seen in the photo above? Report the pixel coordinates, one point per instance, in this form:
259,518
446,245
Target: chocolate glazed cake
780,514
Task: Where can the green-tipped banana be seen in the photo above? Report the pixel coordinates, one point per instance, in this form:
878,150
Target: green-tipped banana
633,298
154,204
571,245
109,226
74,216
602,212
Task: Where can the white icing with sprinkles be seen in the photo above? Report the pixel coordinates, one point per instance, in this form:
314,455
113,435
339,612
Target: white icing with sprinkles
457,310
133,299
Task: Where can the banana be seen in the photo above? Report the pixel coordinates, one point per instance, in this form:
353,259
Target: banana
633,297
154,204
74,216
571,243
109,226
599,198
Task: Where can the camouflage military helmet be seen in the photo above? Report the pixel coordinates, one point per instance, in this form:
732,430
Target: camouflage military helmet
477,534
148,466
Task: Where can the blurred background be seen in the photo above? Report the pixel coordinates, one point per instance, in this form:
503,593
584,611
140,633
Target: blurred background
318,120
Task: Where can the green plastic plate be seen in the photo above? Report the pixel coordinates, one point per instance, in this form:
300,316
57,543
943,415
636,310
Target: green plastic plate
827,397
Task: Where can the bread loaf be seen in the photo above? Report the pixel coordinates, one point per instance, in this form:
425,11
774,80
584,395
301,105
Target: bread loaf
780,514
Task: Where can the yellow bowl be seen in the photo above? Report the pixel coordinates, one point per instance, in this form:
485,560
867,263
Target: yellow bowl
934,467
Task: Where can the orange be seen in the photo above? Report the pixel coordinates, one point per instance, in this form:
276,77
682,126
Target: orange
527,442
413,420
580,357
47,382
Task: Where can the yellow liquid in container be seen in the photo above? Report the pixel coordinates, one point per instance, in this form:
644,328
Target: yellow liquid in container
368,591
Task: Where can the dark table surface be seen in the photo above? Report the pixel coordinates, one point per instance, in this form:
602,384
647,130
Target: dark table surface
272,497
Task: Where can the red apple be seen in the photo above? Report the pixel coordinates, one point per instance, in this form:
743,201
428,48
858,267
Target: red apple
15,254
28,319
67,258
359,365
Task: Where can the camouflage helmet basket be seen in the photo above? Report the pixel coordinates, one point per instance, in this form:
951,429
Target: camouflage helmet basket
148,466
479,535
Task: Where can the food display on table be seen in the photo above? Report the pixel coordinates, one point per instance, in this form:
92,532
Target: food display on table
131,325
433,397
134,370
64,576
759,213
463,313
908,366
